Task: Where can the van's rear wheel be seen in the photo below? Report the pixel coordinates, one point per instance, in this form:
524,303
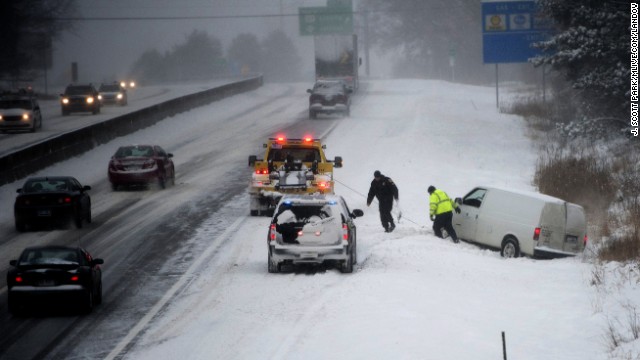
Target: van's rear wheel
510,248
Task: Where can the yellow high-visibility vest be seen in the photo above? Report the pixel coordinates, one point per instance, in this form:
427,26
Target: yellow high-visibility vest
439,203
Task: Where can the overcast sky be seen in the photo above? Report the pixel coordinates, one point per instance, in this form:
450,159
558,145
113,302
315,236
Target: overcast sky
106,49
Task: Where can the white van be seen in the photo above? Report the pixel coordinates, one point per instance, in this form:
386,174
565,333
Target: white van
521,223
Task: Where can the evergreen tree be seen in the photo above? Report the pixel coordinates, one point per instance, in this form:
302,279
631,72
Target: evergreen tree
591,49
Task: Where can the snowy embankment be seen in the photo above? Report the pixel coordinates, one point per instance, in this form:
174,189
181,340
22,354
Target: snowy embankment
412,296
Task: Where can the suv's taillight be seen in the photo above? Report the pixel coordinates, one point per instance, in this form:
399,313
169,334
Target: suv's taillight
345,232
272,232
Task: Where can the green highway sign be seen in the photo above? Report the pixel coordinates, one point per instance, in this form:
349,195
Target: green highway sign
322,20
340,3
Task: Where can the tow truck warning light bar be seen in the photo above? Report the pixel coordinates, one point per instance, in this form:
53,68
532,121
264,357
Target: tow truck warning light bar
282,139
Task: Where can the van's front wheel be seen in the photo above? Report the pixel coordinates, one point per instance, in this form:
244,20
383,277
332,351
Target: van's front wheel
510,248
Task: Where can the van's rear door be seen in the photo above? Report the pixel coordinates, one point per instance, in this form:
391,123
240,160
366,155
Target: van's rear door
576,228
552,226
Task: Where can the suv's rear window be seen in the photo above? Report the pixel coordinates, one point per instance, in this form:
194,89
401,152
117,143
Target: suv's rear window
309,213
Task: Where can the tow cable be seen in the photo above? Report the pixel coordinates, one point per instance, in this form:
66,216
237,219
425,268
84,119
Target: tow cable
400,216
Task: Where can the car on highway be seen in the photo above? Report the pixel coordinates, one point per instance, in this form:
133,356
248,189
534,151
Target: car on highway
58,275
112,94
329,97
19,111
312,228
128,84
52,200
80,98
141,165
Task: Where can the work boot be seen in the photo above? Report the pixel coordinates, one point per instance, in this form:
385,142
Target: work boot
391,227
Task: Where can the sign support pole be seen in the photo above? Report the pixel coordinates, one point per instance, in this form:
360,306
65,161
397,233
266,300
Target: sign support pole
497,98
544,85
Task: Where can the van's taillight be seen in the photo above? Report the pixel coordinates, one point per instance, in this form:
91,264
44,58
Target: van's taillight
272,232
345,232
536,234
586,238
18,279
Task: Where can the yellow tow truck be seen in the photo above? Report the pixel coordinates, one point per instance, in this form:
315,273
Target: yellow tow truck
289,166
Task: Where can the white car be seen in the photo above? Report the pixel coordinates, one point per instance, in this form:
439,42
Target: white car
19,112
313,229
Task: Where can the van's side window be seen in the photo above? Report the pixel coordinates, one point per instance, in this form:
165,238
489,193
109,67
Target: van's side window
474,198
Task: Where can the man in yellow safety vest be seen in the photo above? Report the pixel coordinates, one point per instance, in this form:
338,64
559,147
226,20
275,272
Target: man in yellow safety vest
441,209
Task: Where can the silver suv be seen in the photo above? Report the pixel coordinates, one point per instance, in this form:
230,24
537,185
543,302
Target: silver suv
313,229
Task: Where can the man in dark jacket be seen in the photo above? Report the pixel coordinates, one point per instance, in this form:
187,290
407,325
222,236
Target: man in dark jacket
385,190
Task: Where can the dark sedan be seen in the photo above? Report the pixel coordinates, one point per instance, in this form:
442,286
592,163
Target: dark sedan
56,200
45,275
141,165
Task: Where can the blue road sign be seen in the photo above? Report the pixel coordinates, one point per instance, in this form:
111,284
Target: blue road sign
509,28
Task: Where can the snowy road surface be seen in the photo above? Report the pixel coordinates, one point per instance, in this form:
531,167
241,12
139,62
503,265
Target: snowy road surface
185,268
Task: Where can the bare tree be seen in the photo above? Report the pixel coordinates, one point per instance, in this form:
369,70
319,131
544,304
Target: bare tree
27,28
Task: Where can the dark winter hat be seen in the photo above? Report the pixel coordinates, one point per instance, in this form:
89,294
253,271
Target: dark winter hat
377,173
431,189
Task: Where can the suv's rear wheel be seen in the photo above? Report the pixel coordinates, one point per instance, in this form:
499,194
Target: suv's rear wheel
273,267
346,266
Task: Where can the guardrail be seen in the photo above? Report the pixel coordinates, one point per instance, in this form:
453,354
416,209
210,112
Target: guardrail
21,163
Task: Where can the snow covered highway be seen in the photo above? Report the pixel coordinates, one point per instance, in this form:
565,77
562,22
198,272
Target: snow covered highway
185,272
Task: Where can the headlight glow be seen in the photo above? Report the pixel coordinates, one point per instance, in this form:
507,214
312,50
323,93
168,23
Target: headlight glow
119,96
25,116
99,97
65,101
132,84
123,84
90,100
